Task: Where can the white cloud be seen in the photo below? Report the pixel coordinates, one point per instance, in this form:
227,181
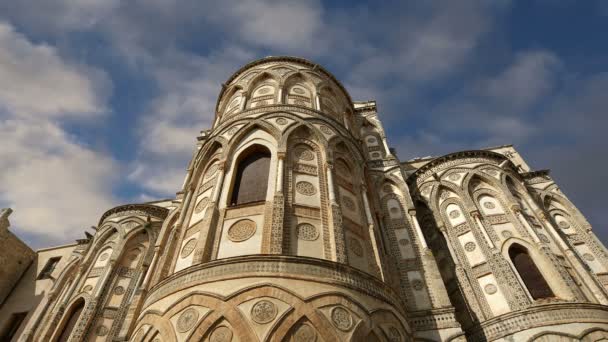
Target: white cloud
36,81
56,185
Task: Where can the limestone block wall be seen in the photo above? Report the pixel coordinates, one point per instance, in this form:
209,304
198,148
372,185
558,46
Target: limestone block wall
15,256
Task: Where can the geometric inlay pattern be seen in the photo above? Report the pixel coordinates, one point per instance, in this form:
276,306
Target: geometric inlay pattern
264,311
187,320
305,188
241,230
341,318
307,232
188,248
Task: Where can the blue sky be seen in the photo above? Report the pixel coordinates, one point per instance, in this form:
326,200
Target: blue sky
101,100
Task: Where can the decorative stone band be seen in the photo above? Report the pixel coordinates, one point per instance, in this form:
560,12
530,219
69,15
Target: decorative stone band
135,209
303,268
538,316
433,319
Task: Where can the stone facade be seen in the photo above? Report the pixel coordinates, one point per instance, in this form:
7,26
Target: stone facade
297,223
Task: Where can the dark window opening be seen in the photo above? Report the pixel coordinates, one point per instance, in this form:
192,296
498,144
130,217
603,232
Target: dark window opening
71,323
529,273
251,181
48,268
13,326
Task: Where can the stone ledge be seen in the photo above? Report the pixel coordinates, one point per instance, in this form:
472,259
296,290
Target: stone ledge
273,266
538,316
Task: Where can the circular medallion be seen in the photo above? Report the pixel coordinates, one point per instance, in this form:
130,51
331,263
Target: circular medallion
417,284
104,256
241,230
325,130
404,242
489,205
588,257
130,225
188,248
232,130
564,225
304,153
305,188
263,311
201,205
454,177
264,91
491,172
262,103
281,121
470,246
307,232
376,155
187,320
101,330
349,203
87,288
305,333
119,290
213,168
299,103
356,247
426,190
506,234
490,289
543,238
371,140
454,214
221,334
298,90
394,334
341,318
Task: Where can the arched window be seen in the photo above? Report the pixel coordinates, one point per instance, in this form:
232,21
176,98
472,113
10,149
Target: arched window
251,181
71,322
529,273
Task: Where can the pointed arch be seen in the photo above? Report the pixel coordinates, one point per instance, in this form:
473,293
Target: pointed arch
250,182
299,90
69,321
262,90
531,276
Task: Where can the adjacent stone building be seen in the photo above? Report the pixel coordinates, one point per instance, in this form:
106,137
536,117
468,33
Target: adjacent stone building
296,222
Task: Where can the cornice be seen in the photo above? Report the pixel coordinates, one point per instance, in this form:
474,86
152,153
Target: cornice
148,209
291,59
458,155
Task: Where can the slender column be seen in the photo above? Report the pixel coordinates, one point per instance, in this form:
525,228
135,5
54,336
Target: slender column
318,102
418,230
279,185
220,181
388,150
151,267
525,223
476,216
243,102
368,211
447,242
330,185
102,282
280,95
